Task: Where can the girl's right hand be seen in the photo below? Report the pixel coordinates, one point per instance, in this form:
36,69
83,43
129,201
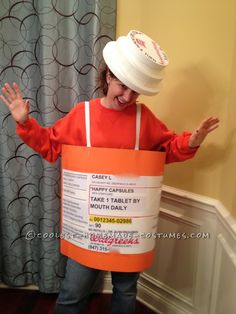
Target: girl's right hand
13,99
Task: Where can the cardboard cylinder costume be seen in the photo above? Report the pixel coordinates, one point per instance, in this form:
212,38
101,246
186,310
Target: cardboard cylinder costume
110,204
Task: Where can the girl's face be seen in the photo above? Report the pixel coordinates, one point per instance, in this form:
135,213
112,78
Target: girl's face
119,96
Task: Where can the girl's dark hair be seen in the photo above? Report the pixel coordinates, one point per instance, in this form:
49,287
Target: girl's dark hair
102,80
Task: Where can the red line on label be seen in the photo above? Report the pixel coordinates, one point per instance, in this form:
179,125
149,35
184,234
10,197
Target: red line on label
158,52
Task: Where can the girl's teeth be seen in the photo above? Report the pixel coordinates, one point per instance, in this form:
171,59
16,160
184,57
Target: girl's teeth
123,102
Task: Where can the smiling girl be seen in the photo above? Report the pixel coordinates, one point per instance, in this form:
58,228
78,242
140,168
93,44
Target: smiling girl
134,66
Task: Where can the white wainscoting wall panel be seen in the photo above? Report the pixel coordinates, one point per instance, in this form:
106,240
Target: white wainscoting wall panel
195,263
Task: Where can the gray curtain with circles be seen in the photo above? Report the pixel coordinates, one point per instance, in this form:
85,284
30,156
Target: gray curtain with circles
52,49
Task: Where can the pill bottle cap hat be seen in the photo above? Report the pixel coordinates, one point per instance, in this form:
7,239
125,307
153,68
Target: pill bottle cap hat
137,61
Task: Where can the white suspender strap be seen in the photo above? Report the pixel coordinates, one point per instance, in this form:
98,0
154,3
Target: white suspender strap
87,123
138,125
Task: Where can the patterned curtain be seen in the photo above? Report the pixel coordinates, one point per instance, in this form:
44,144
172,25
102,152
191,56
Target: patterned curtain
52,49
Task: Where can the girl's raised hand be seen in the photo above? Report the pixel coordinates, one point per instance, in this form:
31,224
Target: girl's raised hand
202,131
13,99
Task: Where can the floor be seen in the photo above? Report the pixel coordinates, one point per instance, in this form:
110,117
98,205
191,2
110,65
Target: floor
18,301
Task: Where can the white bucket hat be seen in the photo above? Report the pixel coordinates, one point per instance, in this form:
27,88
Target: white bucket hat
137,61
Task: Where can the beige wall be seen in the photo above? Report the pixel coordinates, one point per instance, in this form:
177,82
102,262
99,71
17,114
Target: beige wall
200,39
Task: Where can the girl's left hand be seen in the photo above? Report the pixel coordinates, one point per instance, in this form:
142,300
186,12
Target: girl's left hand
202,131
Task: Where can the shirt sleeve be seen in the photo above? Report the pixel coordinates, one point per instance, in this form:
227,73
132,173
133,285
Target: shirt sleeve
47,141
160,138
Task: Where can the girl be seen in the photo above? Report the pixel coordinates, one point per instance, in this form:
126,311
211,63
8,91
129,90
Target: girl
134,66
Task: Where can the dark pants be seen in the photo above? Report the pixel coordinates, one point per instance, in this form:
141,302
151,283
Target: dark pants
79,282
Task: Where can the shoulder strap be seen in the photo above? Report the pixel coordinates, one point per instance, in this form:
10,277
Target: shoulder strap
138,125
87,123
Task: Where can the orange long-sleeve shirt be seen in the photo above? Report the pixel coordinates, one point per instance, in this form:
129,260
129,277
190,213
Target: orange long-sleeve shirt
109,128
